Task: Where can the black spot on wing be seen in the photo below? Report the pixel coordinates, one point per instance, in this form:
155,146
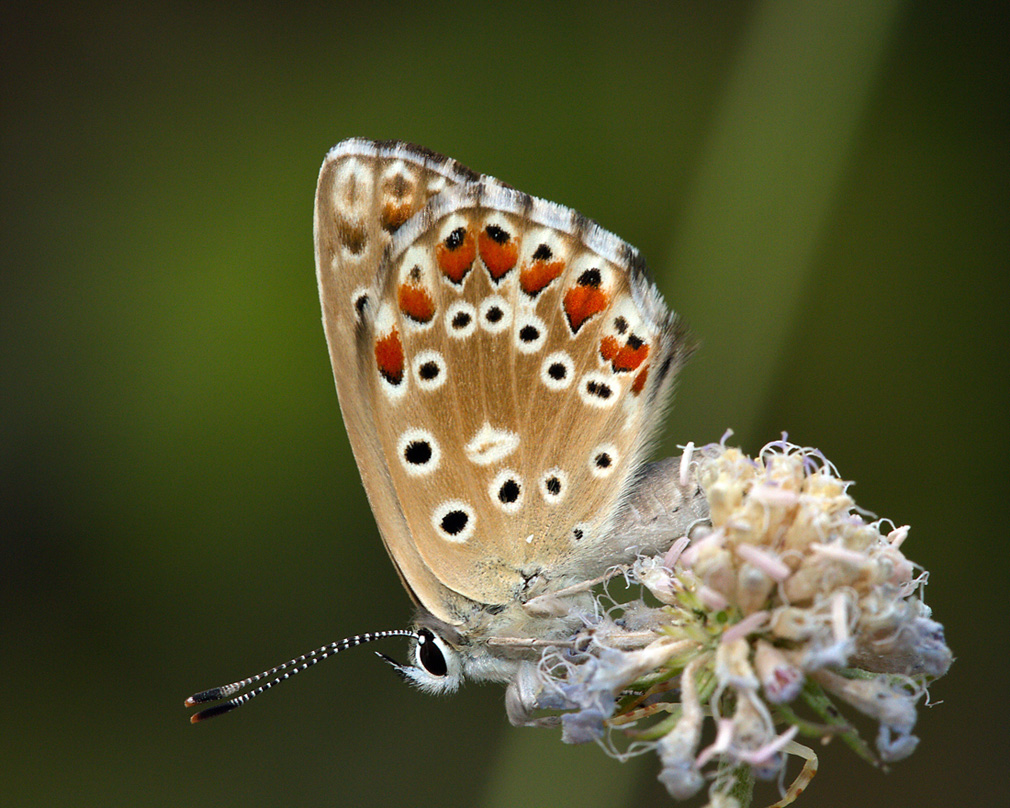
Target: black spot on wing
454,522
509,492
542,253
497,234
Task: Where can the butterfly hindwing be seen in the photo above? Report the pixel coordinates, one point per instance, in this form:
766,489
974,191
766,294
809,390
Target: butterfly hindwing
520,362
501,364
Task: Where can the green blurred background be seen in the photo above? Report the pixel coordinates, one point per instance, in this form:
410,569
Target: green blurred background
820,188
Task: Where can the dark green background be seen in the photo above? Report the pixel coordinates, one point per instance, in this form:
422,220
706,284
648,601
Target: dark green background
821,190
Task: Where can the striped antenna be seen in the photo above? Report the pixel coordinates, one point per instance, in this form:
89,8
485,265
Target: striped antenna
285,671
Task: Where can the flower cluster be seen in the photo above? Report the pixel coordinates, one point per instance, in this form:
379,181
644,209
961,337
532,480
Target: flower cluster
790,602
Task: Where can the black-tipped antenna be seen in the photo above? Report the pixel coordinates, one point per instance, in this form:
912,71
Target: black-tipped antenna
289,668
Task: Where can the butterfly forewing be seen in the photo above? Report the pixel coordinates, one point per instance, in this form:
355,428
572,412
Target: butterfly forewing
366,192
518,360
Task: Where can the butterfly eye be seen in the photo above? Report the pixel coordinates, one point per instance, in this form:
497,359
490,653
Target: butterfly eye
429,654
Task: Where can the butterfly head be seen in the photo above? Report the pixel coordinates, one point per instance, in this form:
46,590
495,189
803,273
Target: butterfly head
436,663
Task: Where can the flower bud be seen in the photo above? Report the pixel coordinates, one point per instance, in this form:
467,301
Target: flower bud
732,666
780,680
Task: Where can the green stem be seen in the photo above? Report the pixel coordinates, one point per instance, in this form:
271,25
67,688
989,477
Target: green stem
818,701
742,789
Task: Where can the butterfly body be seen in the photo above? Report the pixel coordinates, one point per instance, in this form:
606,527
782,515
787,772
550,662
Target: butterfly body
502,364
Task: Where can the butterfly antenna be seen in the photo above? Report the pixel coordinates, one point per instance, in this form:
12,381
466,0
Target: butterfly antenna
285,671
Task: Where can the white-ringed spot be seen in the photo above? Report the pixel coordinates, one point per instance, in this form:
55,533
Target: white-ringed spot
454,520
429,370
553,485
495,314
599,390
489,445
603,460
506,491
418,451
557,371
460,320
530,333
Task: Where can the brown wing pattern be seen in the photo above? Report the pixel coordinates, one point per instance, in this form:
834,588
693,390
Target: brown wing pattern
519,359
366,192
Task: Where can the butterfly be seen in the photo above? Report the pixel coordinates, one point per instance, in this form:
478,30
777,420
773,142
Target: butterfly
502,365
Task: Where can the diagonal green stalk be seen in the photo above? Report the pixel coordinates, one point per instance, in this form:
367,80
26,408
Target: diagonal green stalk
818,701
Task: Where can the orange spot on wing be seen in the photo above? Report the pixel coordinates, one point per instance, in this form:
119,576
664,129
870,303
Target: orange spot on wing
498,258
455,263
538,275
583,302
639,384
629,358
416,303
389,357
394,215
609,348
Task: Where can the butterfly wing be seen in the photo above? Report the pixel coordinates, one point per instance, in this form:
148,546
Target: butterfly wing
366,192
518,363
